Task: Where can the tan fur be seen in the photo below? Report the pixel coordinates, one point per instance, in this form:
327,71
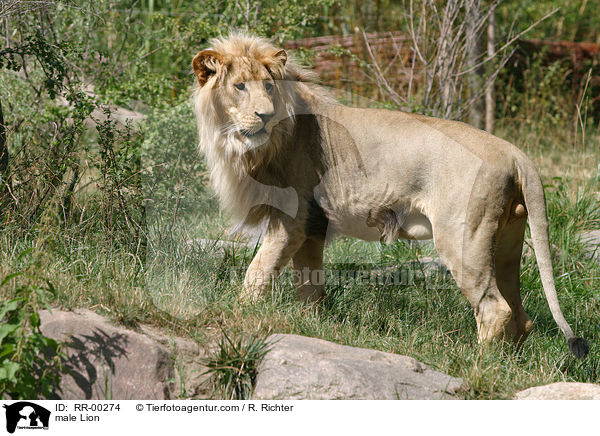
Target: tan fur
375,174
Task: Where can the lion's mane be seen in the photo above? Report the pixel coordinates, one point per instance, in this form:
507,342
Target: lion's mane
233,174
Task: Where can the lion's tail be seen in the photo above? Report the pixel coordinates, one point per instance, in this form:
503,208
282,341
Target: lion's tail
533,193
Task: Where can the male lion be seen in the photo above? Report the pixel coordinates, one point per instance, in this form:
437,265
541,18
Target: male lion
281,152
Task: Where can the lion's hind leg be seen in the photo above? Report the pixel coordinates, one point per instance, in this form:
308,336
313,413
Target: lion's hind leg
467,248
509,246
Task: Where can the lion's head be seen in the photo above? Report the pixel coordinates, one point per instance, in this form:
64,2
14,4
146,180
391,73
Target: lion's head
242,94
246,101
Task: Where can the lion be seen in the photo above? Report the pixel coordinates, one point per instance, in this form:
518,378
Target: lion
282,153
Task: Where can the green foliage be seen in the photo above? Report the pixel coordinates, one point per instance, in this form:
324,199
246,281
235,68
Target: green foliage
51,149
58,174
574,211
531,94
576,20
233,367
538,97
136,53
120,179
49,56
175,180
30,362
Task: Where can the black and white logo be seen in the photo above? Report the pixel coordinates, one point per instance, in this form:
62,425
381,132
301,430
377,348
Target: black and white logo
26,415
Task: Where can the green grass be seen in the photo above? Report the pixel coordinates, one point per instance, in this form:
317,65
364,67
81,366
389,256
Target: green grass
233,367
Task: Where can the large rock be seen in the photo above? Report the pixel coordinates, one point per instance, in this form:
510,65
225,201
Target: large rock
298,367
106,361
190,375
591,242
561,391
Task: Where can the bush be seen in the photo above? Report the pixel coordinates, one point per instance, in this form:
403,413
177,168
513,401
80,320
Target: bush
30,363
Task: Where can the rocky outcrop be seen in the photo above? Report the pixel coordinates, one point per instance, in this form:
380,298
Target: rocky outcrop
106,361
298,367
591,242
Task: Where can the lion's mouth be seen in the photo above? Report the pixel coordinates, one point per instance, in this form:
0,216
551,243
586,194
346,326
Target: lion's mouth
248,134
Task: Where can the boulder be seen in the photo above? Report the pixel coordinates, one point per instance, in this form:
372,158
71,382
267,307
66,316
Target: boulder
107,361
591,242
190,380
561,391
299,367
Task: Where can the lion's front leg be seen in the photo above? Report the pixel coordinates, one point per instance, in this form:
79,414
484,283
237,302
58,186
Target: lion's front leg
280,243
308,270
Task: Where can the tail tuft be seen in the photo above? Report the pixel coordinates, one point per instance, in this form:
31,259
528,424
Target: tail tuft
579,347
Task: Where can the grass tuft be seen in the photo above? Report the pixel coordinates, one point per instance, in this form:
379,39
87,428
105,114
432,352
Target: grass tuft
233,367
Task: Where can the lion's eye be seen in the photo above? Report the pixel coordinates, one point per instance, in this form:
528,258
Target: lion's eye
241,86
268,86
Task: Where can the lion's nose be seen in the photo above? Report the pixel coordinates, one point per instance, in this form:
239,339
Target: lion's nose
265,117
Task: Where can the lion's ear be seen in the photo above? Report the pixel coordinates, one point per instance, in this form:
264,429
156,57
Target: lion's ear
275,63
207,63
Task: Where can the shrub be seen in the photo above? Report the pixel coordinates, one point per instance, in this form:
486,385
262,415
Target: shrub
30,363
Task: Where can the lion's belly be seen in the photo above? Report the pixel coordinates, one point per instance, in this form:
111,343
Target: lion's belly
415,226
355,226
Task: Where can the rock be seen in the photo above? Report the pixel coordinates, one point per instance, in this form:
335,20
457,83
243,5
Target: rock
190,375
561,391
107,361
298,367
120,115
591,241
